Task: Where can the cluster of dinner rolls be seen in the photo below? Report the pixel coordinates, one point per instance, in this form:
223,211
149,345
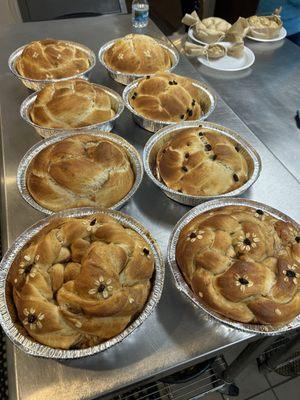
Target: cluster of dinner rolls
243,263
201,162
80,281
81,170
166,97
137,54
74,103
51,59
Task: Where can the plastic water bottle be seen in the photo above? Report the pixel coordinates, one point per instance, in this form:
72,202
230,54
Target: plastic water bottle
140,13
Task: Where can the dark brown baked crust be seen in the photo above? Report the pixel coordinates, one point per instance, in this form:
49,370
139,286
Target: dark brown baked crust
243,263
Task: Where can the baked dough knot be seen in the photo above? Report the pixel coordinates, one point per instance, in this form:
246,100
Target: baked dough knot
52,59
243,263
81,170
81,281
167,97
211,29
201,162
137,54
74,103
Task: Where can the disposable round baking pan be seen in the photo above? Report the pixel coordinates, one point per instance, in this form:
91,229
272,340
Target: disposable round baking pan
165,134
208,104
182,285
37,84
117,104
31,347
125,78
133,155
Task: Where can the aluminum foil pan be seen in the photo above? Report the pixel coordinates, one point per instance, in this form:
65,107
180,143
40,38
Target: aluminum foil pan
208,104
117,105
124,78
132,153
35,349
161,137
37,84
184,287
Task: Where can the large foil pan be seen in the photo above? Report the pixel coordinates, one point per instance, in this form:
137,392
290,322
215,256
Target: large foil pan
125,78
117,105
27,344
37,84
208,104
162,136
133,155
182,285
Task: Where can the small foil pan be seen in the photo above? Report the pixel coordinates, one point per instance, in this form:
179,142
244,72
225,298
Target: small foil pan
37,84
182,285
208,104
163,136
133,155
28,345
107,126
125,78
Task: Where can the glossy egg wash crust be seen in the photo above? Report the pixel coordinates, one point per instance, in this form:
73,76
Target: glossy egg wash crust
243,263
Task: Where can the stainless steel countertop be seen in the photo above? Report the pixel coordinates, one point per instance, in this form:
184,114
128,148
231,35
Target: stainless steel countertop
265,96
176,334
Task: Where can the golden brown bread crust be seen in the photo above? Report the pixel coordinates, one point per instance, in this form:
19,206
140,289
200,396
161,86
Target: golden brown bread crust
74,103
166,97
137,54
51,59
80,281
82,170
201,162
243,263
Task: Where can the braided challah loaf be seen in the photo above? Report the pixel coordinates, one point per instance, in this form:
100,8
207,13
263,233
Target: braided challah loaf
81,281
201,162
243,263
51,59
166,97
74,103
137,54
81,170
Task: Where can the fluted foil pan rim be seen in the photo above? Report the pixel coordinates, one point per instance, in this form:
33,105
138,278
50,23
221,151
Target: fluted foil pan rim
131,151
182,285
41,82
193,200
104,125
154,125
126,78
35,349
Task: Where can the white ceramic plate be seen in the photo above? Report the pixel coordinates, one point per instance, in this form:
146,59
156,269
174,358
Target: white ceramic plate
191,36
282,35
228,63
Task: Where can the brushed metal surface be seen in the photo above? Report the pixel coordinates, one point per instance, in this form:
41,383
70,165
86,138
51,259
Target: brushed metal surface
176,334
270,96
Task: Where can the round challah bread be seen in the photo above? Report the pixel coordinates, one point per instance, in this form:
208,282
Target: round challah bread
201,162
74,103
81,170
243,263
166,97
137,54
211,29
80,281
51,59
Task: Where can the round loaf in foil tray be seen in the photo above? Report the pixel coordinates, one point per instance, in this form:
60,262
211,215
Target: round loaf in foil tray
125,78
37,84
182,285
161,137
133,155
117,105
208,104
27,344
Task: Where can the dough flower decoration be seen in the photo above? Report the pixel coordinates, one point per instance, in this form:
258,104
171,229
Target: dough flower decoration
242,281
193,236
102,288
32,318
290,273
247,242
